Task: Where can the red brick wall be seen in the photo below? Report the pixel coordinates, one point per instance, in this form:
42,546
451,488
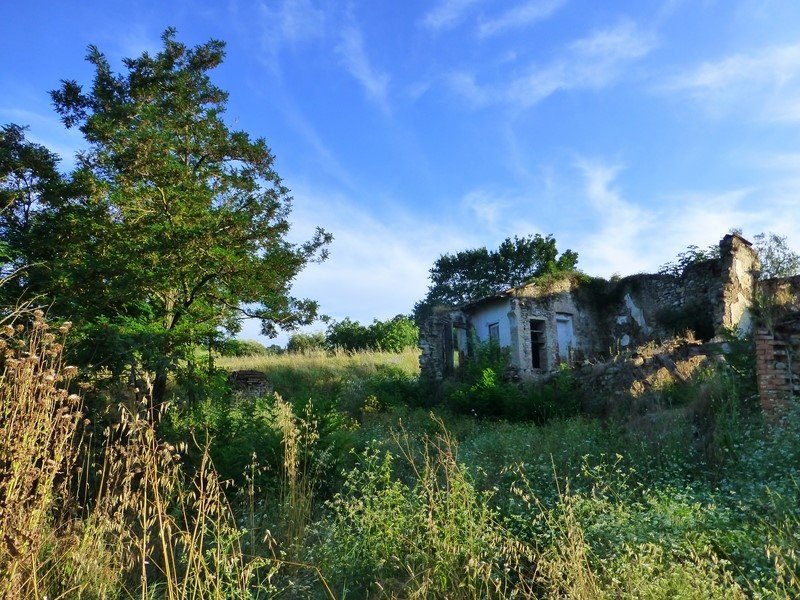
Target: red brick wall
773,368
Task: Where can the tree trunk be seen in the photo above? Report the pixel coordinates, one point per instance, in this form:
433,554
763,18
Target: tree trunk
159,393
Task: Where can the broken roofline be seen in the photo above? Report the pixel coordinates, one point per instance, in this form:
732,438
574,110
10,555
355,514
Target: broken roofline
514,290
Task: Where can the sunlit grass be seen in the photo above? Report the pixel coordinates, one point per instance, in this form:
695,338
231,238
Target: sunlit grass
364,361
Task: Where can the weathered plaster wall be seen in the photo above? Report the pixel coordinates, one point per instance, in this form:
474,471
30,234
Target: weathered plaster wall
493,311
740,267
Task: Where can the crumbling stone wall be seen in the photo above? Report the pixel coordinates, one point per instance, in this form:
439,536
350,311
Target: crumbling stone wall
709,297
740,270
436,346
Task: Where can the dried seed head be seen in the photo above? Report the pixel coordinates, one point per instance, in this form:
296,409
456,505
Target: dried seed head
65,327
74,398
49,338
8,330
70,371
38,314
19,328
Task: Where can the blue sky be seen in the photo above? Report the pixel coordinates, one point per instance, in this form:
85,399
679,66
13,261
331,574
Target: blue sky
627,129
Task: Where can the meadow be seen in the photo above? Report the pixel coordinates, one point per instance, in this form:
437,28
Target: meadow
355,480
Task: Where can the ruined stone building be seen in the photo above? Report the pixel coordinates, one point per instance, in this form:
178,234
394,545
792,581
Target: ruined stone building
570,319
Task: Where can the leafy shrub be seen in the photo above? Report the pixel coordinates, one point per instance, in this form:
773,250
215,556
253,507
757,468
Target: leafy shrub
306,342
559,397
392,335
239,348
434,536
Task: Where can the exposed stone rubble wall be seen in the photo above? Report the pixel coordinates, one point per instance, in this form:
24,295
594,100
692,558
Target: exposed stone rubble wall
250,383
435,340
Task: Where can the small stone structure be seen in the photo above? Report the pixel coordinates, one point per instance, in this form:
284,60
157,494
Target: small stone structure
569,320
249,383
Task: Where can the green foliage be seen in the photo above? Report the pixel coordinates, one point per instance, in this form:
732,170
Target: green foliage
777,259
306,342
692,255
483,390
556,398
173,225
28,181
433,537
392,335
234,347
348,335
696,317
471,274
698,501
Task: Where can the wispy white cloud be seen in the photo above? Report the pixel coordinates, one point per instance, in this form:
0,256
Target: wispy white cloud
595,61
447,14
289,22
631,236
378,266
522,15
354,57
618,226
300,20
764,83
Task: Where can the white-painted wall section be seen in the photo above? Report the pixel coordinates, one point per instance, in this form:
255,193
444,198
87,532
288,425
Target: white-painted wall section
493,312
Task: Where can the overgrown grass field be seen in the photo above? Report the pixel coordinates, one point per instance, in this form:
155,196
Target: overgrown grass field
354,480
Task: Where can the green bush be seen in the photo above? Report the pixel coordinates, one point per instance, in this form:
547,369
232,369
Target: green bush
240,348
392,335
557,398
306,342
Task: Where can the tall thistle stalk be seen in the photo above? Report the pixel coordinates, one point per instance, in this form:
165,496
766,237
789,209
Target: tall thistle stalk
38,424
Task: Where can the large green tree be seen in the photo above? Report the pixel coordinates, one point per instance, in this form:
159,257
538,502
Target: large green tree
471,274
29,179
175,225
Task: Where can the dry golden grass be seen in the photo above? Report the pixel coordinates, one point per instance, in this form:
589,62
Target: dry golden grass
339,360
